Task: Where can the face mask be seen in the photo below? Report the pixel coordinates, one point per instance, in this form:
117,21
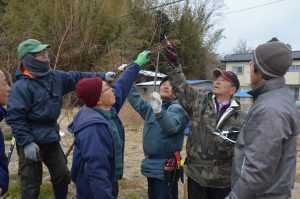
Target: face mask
36,67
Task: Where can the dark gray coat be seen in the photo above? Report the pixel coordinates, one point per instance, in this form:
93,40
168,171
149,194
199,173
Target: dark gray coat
265,153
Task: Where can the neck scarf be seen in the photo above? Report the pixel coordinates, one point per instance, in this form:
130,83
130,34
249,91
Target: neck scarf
36,67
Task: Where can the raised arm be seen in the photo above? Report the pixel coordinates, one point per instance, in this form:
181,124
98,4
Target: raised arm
185,93
69,79
123,84
173,120
140,105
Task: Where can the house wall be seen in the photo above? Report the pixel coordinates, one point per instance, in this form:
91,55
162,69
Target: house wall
292,78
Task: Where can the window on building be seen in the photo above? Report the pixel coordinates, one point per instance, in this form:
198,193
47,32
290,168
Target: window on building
295,92
294,68
239,70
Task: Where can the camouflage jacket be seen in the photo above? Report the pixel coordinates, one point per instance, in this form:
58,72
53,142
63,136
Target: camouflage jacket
209,157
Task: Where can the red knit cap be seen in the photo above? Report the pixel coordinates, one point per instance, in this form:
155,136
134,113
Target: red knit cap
89,90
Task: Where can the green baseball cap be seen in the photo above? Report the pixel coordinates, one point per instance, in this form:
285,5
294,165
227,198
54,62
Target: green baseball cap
31,46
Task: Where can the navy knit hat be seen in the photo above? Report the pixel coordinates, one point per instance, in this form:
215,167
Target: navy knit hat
89,90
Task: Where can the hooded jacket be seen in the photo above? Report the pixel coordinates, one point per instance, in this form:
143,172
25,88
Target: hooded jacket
264,163
34,105
4,174
162,134
93,167
120,89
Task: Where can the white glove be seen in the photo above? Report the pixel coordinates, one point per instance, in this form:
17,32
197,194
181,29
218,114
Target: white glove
156,102
31,150
109,76
122,67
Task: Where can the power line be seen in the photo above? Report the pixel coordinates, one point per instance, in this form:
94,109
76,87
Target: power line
250,8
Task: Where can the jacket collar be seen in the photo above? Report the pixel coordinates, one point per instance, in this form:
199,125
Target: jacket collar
234,106
268,85
232,101
3,113
167,103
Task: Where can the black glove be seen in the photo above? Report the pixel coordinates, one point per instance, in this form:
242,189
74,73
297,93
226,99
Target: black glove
172,55
233,133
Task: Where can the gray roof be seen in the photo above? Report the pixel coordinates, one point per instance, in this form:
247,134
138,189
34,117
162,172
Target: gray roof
296,54
248,57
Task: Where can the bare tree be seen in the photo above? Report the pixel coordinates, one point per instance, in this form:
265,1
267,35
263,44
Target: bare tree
242,47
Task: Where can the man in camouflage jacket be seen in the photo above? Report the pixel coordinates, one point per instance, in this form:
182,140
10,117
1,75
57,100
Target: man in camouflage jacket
215,119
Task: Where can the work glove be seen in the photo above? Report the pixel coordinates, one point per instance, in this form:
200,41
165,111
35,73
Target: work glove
172,55
234,133
227,197
156,102
109,76
143,58
31,151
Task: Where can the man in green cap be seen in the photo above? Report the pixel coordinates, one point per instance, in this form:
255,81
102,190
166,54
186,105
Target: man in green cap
34,106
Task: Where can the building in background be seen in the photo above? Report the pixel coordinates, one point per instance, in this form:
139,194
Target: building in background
239,63
147,76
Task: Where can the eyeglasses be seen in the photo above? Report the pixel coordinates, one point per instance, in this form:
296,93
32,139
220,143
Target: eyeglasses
108,87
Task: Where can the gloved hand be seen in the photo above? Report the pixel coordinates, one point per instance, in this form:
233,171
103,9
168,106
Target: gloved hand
227,197
172,55
143,58
156,102
109,76
31,150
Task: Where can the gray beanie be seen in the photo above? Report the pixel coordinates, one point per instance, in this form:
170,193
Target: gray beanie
272,59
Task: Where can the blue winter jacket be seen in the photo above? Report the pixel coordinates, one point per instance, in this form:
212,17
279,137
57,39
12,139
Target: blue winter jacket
4,178
162,134
93,167
34,105
121,89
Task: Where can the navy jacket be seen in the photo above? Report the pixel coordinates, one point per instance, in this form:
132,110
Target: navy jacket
4,178
93,167
121,88
98,160
34,105
162,135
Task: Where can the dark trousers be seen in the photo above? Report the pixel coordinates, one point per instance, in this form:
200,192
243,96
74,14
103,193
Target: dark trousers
115,191
159,189
30,171
195,191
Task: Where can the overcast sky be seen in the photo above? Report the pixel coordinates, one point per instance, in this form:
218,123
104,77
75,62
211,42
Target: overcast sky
260,24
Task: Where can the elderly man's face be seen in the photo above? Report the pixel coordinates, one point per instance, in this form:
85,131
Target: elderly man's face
107,96
223,87
4,89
